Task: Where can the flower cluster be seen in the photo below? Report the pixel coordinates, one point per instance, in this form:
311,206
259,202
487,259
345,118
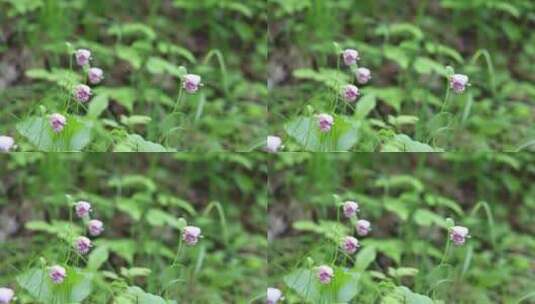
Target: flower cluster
191,83
191,235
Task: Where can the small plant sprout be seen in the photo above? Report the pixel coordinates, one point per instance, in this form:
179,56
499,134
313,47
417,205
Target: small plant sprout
273,144
95,227
273,295
95,75
363,75
7,294
82,57
350,244
350,209
325,122
191,235
325,274
6,143
350,56
82,93
363,227
83,245
191,83
82,209
350,93
57,274
458,83
459,234
57,122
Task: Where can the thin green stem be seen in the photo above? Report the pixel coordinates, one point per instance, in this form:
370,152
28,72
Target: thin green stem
178,99
446,252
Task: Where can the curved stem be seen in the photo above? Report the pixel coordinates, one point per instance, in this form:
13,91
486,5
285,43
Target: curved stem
446,99
178,99
446,252
178,252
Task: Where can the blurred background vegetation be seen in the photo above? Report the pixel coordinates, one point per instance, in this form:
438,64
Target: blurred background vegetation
407,46
139,197
407,198
139,45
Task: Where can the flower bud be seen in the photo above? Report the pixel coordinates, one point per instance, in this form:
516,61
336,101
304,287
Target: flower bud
6,143
273,295
363,75
57,121
191,235
191,83
350,93
350,56
95,75
325,274
6,295
82,57
83,245
350,244
325,122
350,208
363,227
82,208
57,274
82,93
95,227
458,235
458,83
273,144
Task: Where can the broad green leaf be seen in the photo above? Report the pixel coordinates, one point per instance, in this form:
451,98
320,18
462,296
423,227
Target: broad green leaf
403,143
392,248
305,131
364,258
97,258
98,105
424,217
365,105
135,272
136,143
157,217
136,295
397,55
125,248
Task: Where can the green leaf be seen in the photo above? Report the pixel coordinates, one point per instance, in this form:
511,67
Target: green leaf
424,217
424,65
365,105
125,248
157,217
98,105
97,258
364,258
132,30
136,295
130,55
305,131
397,55
133,272
403,143
136,143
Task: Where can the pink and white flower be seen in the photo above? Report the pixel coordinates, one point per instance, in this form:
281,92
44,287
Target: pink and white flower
95,75
363,75
82,93
82,208
57,122
95,227
82,57
83,245
325,122
6,143
351,93
458,83
325,274
350,56
363,227
459,234
273,295
191,235
57,274
191,83
350,244
350,208
273,144
6,295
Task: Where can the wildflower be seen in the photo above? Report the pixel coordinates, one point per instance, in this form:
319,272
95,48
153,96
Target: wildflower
363,75
95,227
351,93
57,121
57,274
363,227
325,274
82,93
458,83
325,122
350,244
95,75
191,83
458,235
191,235
6,294
350,56
6,143
83,56
82,208
273,295
273,144
83,245
350,208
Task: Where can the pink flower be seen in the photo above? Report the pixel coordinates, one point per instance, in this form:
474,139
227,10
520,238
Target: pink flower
82,208
350,56
6,143
273,144
83,56
82,93
6,294
458,83
95,75
458,235
363,227
83,245
351,93
363,75
57,121
191,235
350,208
57,274
350,244
273,295
325,274
325,122
191,83
95,227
